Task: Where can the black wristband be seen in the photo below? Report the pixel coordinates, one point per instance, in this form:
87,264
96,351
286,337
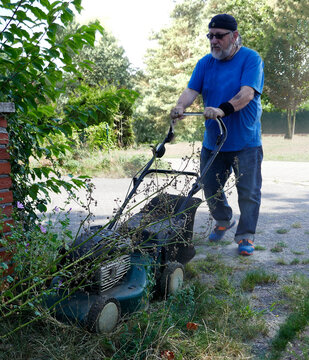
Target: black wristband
227,108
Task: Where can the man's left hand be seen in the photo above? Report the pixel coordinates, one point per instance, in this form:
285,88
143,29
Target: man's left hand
213,113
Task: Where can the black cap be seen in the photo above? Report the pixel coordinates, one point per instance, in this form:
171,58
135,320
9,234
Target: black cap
223,21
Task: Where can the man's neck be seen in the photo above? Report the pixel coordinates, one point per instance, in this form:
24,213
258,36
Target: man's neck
233,52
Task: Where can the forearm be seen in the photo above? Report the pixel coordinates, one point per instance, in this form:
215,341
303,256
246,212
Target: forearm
187,98
242,98
238,102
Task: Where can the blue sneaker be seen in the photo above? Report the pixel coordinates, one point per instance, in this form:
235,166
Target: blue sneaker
245,247
219,231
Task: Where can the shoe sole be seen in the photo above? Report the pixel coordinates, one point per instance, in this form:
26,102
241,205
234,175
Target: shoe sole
246,253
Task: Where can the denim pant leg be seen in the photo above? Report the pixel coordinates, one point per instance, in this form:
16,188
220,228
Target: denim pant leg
249,181
214,181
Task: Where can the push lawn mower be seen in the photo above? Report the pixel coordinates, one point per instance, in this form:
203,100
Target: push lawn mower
110,271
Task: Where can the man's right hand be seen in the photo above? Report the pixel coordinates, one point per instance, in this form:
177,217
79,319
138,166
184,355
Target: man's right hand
185,100
177,113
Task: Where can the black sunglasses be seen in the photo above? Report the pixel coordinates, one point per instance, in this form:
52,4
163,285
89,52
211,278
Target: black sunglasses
217,36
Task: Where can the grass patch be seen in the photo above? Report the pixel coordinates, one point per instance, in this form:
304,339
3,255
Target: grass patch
260,248
278,247
210,265
281,261
257,277
276,148
295,261
279,149
112,164
298,252
295,323
282,231
297,295
224,321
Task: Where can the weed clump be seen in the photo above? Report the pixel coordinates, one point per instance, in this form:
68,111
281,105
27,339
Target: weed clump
257,277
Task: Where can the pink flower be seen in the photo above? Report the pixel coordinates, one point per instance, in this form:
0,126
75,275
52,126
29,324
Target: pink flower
43,229
20,205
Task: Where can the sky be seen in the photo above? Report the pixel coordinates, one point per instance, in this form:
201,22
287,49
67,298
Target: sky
130,21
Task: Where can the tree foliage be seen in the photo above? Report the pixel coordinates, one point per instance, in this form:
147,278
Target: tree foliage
101,93
109,63
169,64
32,64
92,106
287,60
103,62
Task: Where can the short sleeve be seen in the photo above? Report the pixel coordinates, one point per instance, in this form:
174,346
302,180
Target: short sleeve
253,73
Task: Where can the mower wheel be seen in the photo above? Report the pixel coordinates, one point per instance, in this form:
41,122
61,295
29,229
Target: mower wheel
172,278
103,315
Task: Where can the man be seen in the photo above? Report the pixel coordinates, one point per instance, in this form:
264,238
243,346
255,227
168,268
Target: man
230,80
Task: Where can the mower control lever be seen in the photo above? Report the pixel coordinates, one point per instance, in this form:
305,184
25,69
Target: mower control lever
160,149
170,134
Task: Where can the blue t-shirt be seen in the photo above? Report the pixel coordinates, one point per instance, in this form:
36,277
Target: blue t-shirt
218,81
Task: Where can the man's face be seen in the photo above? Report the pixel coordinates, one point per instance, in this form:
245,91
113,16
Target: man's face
221,48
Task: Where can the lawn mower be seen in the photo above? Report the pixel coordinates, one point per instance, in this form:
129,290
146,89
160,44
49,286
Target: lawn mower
109,271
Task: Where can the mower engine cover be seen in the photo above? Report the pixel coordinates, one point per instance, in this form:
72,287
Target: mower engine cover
102,255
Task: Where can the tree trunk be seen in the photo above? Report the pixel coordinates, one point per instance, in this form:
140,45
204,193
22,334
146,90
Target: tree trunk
289,134
293,122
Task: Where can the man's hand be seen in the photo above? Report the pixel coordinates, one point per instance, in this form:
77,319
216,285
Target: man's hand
213,113
177,113
185,100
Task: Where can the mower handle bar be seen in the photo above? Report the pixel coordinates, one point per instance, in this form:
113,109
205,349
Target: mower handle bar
159,152
170,134
218,119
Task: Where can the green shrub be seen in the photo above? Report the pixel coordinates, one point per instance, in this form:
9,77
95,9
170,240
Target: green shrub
100,137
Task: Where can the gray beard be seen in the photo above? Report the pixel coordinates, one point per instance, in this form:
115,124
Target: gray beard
223,54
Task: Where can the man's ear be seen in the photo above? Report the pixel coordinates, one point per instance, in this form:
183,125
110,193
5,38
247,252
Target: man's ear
235,34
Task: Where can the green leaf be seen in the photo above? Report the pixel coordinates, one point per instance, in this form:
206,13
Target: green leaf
67,16
46,4
9,36
4,265
77,4
42,208
37,12
33,191
9,279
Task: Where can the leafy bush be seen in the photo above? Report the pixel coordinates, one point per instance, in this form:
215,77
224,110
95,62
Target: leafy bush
100,137
34,248
92,106
32,64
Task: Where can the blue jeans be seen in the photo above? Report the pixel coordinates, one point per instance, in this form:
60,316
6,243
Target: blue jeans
246,165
